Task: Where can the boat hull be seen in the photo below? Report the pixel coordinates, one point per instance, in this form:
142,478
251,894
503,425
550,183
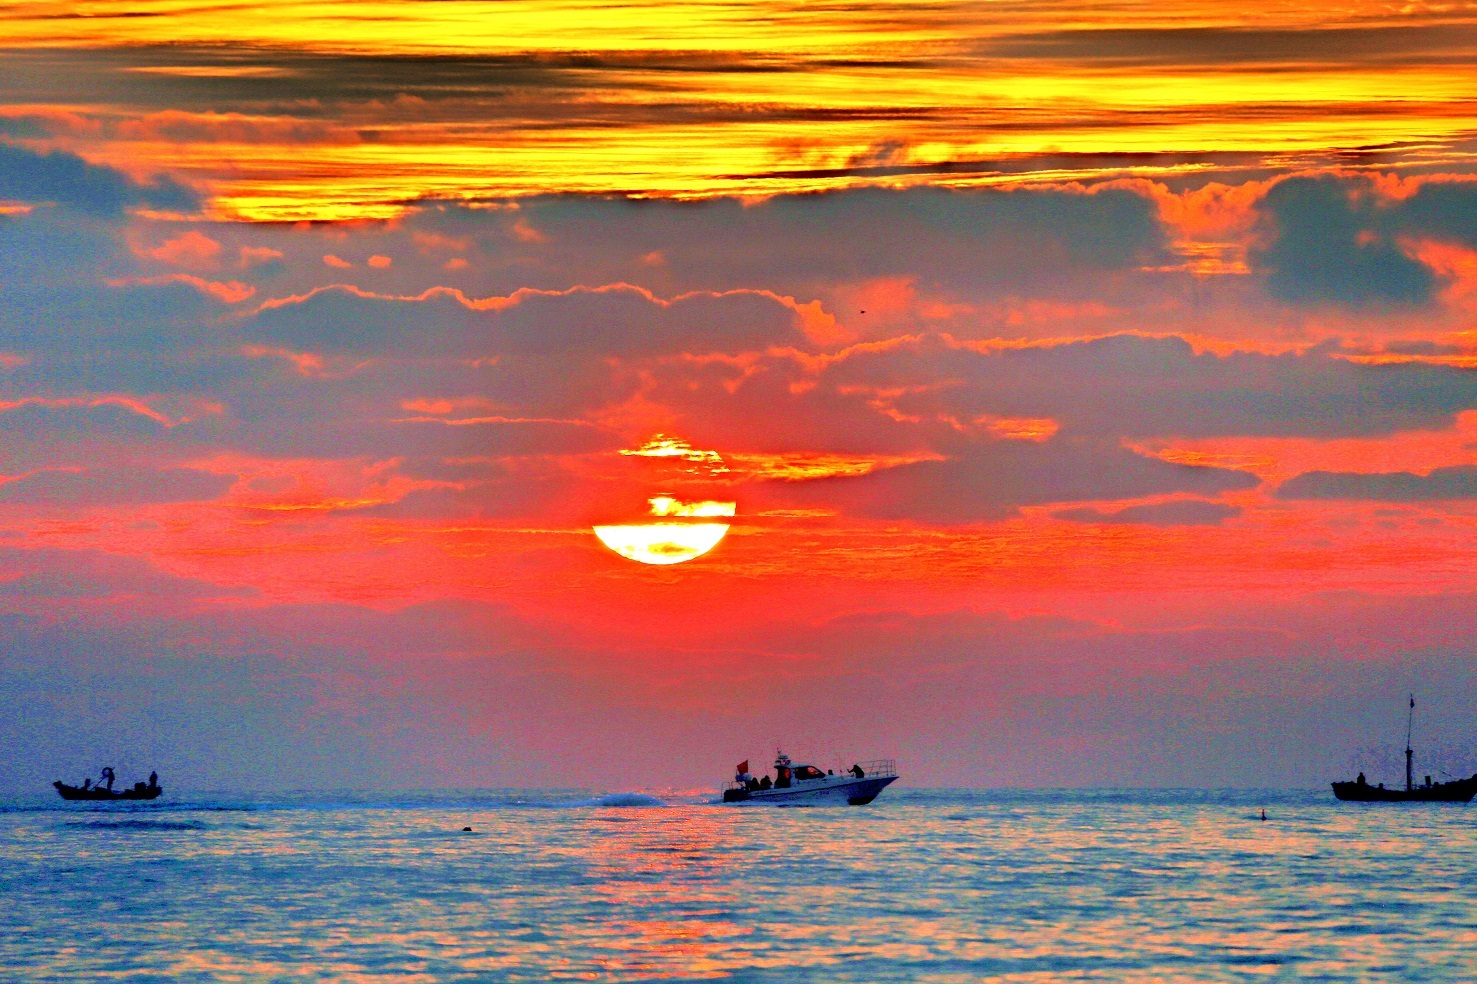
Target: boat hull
1456,791
838,791
104,795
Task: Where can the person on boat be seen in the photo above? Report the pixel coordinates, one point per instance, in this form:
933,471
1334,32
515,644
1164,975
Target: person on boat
858,771
153,780
764,783
1361,780
86,784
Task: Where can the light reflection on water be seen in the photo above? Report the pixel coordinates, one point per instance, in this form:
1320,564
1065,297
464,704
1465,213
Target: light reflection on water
921,886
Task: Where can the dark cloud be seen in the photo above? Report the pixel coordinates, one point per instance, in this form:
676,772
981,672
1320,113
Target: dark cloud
1021,240
66,179
35,435
615,321
1140,387
1327,246
879,163
1340,239
1455,482
926,392
993,480
73,420
1181,512
114,487
1228,46
1442,209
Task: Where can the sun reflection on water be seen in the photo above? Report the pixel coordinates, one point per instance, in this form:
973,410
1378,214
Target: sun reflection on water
1135,887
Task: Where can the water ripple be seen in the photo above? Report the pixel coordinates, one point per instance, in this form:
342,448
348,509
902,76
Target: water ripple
922,886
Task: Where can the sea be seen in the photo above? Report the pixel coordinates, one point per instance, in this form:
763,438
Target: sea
922,885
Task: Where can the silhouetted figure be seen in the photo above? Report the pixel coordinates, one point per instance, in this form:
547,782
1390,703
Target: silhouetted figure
1361,780
1264,814
153,780
765,783
86,783
858,771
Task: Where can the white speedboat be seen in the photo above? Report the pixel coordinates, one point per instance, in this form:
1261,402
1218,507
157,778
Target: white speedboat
805,785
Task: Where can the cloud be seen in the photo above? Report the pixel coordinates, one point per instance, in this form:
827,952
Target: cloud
934,391
1239,45
991,481
1022,240
114,487
614,320
66,179
1328,247
84,574
192,249
1352,240
78,433
1181,512
1455,482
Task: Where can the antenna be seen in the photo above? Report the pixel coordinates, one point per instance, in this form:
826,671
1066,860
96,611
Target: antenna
1409,720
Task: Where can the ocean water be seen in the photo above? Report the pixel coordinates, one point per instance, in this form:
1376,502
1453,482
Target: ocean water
924,885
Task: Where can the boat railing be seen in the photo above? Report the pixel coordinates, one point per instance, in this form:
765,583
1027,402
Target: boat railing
879,768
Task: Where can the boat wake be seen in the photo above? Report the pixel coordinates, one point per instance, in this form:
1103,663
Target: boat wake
623,801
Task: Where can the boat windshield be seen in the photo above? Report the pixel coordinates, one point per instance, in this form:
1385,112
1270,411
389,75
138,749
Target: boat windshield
808,772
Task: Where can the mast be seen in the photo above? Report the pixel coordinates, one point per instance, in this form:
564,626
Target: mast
1409,718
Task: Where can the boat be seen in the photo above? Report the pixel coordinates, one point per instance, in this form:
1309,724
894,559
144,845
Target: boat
105,792
1453,791
805,785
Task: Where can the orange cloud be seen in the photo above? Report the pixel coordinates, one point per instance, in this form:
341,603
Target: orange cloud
227,292
192,250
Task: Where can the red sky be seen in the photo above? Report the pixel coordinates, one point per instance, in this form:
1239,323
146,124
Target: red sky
1095,389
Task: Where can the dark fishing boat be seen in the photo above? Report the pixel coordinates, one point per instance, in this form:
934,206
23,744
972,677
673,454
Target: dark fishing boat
105,792
1453,791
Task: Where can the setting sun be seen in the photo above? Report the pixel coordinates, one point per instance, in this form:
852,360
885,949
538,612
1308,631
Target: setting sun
662,543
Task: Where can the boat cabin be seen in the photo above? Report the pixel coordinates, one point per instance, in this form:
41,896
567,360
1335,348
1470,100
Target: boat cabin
788,774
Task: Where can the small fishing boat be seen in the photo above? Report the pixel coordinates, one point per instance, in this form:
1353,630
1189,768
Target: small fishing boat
806,785
105,792
1454,791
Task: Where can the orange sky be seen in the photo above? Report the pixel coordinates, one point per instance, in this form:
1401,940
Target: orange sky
332,111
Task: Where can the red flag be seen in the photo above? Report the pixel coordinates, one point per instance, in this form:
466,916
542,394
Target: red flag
743,766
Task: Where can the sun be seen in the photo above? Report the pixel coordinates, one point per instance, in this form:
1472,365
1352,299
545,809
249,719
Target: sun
673,531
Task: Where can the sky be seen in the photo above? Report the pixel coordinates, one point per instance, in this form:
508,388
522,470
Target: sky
544,394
